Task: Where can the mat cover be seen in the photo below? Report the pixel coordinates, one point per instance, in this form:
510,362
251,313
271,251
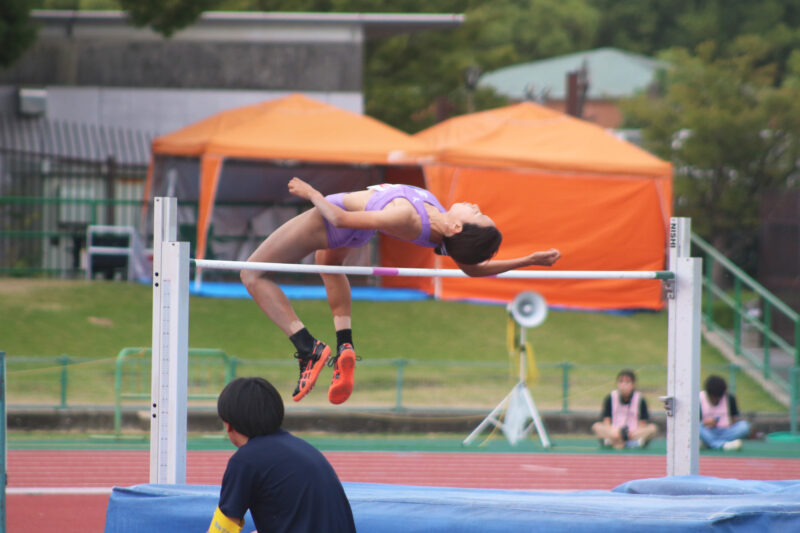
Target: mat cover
673,504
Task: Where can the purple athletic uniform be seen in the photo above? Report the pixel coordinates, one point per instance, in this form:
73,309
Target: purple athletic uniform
385,193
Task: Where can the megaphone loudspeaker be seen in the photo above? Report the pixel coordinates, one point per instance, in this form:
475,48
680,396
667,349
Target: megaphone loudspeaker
528,309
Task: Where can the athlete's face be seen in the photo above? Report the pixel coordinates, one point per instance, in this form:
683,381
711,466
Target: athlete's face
468,213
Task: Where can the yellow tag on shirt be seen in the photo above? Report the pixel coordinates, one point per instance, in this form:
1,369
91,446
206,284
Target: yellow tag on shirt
222,524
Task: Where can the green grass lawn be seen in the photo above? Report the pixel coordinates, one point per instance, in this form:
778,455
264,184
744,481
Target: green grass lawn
457,350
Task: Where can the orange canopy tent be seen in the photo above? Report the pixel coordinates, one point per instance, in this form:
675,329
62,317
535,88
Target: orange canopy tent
335,149
549,180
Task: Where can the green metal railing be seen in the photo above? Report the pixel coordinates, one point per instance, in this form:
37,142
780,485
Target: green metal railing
402,381
209,371
762,321
54,371
399,379
565,369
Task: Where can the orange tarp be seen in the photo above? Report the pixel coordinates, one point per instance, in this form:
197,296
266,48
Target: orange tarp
529,136
292,128
550,181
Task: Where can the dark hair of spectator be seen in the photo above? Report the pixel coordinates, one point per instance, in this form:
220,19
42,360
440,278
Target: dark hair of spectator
715,386
627,372
252,406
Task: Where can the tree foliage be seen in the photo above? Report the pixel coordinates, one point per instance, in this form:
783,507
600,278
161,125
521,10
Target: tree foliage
163,16
648,26
166,16
76,5
731,131
17,31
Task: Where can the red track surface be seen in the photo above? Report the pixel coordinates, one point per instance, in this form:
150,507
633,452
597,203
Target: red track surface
58,490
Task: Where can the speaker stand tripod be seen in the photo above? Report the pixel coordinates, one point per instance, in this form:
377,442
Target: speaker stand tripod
519,408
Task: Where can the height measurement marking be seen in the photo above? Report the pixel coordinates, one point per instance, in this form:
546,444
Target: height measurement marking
163,407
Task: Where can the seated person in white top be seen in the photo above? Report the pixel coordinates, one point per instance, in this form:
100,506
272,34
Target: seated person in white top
720,428
626,423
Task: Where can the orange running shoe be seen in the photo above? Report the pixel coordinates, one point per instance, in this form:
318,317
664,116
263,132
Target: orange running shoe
344,365
310,367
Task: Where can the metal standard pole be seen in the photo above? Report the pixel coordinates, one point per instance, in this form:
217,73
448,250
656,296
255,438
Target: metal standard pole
165,229
683,361
518,406
522,389
170,347
794,383
64,360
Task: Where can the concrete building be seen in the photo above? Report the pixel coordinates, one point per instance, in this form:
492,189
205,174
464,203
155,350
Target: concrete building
95,69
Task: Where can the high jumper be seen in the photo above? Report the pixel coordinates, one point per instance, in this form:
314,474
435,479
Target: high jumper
340,222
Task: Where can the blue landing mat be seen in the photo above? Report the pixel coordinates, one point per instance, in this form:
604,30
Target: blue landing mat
662,505
217,289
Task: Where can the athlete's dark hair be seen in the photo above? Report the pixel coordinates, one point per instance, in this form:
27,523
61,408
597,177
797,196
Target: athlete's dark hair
627,372
715,386
473,244
252,406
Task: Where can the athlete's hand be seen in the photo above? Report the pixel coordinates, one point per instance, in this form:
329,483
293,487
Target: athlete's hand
302,189
546,258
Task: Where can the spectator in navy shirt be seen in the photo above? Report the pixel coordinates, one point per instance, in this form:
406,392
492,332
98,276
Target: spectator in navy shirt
286,483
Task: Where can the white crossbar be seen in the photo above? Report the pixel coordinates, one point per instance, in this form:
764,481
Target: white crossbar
430,272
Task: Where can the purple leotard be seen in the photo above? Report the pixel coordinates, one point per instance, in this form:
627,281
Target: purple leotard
385,193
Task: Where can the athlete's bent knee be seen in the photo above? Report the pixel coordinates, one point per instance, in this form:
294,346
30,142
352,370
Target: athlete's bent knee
249,277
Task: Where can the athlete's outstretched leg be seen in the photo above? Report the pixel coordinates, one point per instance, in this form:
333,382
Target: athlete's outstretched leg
290,243
337,288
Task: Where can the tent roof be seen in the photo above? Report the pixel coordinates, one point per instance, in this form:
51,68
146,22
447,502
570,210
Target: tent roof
294,128
531,136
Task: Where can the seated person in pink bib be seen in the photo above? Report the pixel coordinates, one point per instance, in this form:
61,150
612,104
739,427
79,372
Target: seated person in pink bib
626,422
339,222
720,428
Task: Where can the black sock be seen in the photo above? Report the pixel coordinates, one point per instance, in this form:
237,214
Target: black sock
344,336
303,341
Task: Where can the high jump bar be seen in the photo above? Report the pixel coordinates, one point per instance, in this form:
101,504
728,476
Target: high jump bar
430,272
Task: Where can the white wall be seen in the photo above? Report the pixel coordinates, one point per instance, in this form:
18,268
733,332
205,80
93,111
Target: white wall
161,111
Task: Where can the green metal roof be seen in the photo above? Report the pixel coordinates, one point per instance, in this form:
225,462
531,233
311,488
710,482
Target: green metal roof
613,73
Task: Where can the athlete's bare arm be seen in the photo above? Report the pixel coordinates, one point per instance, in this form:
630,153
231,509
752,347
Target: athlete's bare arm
387,219
498,266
